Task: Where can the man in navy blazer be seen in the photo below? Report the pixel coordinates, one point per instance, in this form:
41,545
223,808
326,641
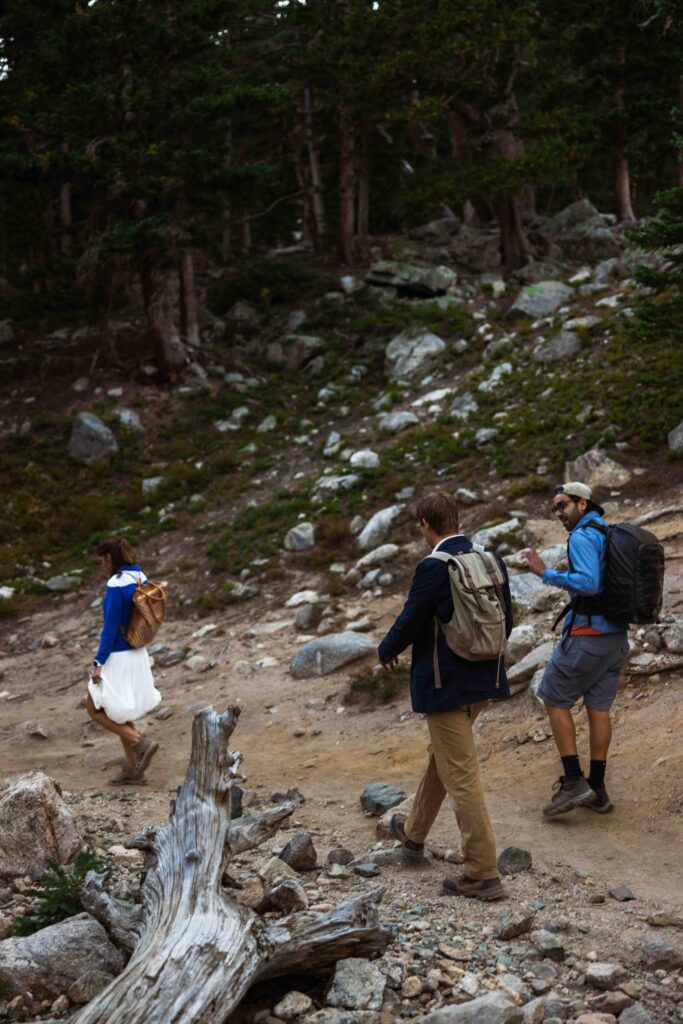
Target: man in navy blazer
450,704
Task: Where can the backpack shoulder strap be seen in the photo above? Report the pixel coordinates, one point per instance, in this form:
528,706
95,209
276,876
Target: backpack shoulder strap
440,556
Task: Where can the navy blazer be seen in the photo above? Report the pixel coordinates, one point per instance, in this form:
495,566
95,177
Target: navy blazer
462,681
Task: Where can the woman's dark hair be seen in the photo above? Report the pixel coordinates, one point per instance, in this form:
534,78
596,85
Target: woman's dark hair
119,550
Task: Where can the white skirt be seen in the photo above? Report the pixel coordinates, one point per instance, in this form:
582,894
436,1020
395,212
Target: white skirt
127,690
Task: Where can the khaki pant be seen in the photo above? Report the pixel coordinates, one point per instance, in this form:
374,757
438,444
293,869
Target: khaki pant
453,770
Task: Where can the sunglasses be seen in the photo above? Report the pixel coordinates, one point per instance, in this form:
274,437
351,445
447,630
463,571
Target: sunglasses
562,505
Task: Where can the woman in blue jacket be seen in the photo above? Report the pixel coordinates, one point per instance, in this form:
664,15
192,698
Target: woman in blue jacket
121,687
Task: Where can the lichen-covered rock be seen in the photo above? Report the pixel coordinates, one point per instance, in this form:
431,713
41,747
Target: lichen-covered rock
413,353
35,826
597,470
540,299
357,984
91,440
50,961
328,653
562,346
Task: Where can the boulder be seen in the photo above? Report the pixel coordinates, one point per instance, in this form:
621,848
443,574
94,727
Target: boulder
528,591
379,797
334,485
562,346
522,639
496,378
541,299
364,459
597,470
326,654
413,353
48,962
530,663
300,538
395,422
605,976
295,351
581,232
129,420
378,556
661,954
408,279
463,406
300,853
292,1006
636,1014
493,1008
475,250
492,534
513,859
89,985
357,984
35,826
91,440
675,439
377,527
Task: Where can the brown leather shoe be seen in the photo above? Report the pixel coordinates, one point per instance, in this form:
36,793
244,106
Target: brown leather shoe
475,888
128,776
145,750
411,851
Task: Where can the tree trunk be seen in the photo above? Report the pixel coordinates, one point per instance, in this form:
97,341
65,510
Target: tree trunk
460,151
515,250
680,151
170,353
422,138
363,211
189,326
514,247
303,181
196,951
65,212
622,184
226,235
246,234
316,174
346,186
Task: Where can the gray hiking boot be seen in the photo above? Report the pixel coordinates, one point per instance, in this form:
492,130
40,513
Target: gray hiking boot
412,851
128,776
145,750
602,803
478,889
569,793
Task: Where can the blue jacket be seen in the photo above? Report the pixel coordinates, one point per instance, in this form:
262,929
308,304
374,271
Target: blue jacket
117,607
586,550
463,682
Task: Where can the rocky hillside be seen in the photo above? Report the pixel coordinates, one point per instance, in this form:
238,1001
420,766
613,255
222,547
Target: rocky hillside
272,487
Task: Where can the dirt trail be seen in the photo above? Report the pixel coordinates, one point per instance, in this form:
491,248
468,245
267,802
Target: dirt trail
639,844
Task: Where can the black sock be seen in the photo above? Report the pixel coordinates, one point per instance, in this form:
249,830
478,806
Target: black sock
572,766
596,779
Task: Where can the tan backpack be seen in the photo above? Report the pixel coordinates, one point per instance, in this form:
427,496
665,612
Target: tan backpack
476,630
149,611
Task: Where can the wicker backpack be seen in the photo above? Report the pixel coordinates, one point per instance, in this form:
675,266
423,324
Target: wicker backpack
149,611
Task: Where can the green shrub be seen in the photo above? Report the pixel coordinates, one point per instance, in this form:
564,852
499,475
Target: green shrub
58,893
271,282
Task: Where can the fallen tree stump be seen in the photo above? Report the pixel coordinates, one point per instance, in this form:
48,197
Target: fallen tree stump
195,951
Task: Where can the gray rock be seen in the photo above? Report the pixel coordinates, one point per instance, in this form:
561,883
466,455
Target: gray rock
562,346
475,250
379,797
267,424
340,855
675,439
396,422
522,639
413,353
129,420
395,855
496,378
62,584
534,1011
514,923
50,961
296,351
463,406
377,527
300,538
636,1014
489,536
485,434
596,469
529,592
292,1006
364,459
661,954
91,440
328,653
493,1008
513,859
334,485
581,232
423,282
378,556
35,826
531,663
357,984
151,484
622,893
168,658
540,299
328,1015
535,685
605,976
549,944
308,617
664,919
89,985
300,853
366,869
673,638
6,332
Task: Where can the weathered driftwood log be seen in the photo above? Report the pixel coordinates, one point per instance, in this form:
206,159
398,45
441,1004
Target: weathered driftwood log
196,950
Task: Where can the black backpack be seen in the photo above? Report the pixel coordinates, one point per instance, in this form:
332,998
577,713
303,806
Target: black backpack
633,579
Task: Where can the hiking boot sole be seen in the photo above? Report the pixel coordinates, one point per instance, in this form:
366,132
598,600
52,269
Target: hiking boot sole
127,782
584,800
600,808
486,895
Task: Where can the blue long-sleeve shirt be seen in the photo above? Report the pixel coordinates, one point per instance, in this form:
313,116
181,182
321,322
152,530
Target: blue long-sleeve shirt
586,548
117,607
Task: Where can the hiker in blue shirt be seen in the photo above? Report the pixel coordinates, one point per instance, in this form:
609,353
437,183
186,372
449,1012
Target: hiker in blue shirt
587,661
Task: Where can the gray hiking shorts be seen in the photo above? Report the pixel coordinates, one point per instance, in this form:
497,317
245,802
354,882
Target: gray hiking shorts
584,666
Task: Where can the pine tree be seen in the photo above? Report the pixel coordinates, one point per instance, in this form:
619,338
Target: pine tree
660,316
